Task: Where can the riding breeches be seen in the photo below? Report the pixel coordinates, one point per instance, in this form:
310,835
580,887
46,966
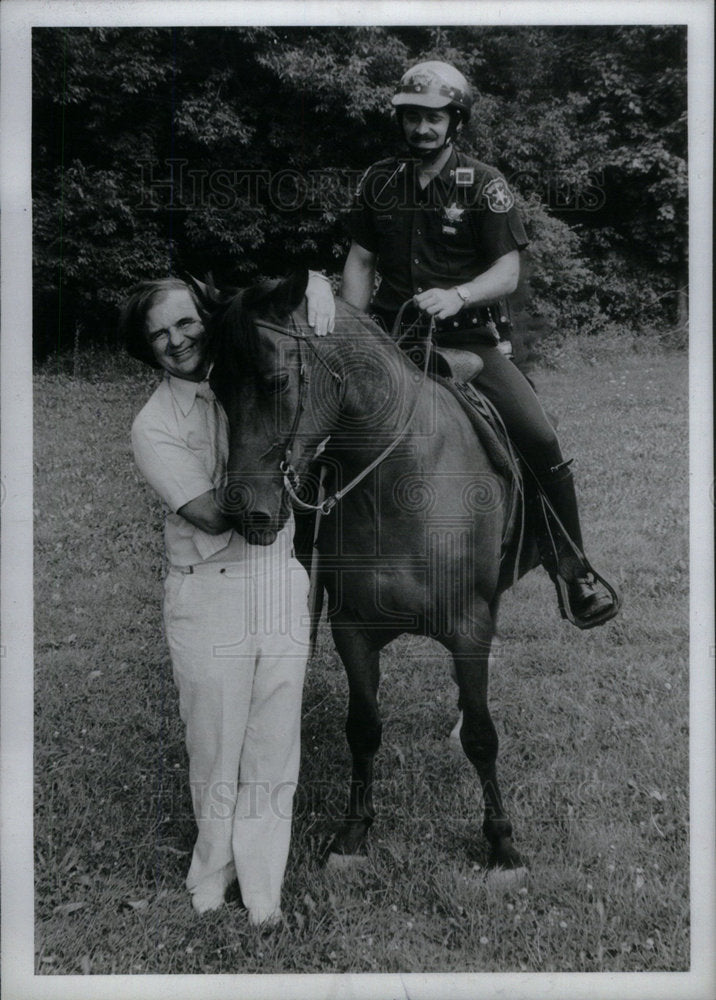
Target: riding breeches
516,401
238,639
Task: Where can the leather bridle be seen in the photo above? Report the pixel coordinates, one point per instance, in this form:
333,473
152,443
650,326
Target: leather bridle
291,478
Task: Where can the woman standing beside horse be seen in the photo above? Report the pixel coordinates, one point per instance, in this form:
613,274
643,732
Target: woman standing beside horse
234,613
442,229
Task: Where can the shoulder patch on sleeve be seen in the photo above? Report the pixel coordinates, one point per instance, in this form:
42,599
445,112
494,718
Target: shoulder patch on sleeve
498,196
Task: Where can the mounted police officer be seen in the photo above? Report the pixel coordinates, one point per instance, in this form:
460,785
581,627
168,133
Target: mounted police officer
442,229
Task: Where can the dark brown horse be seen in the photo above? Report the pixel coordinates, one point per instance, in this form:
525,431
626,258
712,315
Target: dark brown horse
413,535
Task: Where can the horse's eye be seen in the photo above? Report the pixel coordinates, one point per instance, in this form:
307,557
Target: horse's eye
276,384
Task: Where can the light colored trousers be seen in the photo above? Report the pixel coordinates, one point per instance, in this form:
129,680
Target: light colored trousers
238,639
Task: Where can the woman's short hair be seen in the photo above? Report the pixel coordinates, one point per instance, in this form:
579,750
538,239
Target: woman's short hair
133,315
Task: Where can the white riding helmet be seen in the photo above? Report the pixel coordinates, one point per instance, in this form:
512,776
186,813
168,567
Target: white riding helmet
434,85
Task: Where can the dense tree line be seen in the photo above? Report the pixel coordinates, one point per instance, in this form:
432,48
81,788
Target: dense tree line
237,150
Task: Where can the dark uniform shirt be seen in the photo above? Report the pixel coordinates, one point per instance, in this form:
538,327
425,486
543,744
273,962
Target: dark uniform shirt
444,235
436,237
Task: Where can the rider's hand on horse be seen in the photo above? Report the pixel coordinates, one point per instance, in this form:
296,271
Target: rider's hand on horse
321,304
439,302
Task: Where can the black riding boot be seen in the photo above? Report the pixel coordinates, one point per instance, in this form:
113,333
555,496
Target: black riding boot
560,544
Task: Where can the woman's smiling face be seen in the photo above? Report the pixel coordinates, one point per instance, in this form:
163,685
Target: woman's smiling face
176,335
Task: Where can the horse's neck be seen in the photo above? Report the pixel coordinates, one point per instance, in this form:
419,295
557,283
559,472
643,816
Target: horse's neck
384,393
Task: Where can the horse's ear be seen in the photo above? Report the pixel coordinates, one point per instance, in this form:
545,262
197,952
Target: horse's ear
294,287
281,297
206,291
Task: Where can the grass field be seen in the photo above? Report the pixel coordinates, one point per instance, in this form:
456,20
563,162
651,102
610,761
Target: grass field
593,726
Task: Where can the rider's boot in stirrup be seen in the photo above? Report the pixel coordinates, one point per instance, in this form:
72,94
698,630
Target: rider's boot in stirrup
560,546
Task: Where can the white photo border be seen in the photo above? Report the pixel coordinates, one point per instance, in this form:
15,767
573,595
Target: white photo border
17,17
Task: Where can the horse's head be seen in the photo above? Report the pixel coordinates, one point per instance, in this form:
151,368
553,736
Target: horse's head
259,345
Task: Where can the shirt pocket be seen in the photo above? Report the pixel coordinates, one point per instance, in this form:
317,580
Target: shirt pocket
455,244
390,233
198,441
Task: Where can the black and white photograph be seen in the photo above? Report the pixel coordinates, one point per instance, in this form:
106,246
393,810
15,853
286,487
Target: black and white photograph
357,499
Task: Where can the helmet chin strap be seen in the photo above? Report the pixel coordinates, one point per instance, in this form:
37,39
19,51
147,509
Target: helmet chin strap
429,156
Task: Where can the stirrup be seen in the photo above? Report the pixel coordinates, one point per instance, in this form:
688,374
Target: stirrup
560,582
592,620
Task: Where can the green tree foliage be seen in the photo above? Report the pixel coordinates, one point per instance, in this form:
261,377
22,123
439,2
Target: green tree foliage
237,150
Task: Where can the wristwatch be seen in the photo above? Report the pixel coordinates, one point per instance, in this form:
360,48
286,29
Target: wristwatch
463,293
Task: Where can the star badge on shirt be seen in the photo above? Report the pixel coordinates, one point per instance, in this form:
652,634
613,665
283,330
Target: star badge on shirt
498,195
453,213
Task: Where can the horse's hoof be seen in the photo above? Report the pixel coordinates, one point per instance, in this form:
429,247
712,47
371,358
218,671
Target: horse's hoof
340,862
507,878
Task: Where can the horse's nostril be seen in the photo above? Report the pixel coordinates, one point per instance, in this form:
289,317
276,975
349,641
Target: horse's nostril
258,528
254,520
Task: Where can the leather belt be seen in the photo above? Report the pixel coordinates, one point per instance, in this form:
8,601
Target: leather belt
466,319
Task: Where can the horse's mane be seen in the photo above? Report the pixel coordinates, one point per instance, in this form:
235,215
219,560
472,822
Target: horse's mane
362,323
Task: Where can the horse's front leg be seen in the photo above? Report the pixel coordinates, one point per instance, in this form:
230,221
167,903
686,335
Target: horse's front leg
363,732
470,646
